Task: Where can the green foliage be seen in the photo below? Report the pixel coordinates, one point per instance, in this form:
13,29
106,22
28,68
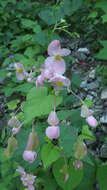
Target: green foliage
87,134
74,176
39,103
103,54
52,152
101,176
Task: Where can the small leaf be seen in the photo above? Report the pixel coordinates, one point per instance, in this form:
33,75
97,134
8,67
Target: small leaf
13,104
87,134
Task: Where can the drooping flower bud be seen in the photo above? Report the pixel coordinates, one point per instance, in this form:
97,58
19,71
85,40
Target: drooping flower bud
16,130
80,150
29,156
14,122
85,112
33,141
12,145
53,132
78,164
92,121
53,119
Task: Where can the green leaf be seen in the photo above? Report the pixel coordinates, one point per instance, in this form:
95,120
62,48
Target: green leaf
93,14
76,4
102,176
103,52
89,178
39,103
13,104
87,134
49,154
75,176
47,16
68,137
104,17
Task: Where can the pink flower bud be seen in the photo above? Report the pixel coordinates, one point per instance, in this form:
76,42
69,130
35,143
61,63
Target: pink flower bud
53,119
12,121
80,150
16,130
53,132
92,121
29,156
78,164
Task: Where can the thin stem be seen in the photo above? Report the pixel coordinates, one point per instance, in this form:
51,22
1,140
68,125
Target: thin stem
55,103
78,97
33,126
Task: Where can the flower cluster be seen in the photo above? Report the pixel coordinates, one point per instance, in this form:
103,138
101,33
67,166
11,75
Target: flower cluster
28,180
53,131
54,66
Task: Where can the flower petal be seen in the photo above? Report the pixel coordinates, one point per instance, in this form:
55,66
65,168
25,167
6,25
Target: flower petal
20,76
54,47
49,62
65,52
59,67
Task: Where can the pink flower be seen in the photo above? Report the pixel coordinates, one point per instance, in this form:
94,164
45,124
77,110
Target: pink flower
53,119
14,122
29,156
54,61
28,180
59,81
52,132
16,130
78,164
20,71
92,121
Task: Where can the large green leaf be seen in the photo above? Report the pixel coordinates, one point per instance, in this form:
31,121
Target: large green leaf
102,176
74,176
49,154
89,178
39,103
68,137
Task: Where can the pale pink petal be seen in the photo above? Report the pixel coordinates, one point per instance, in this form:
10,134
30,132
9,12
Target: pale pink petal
21,75
16,130
60,80
29,156
31,187
59,67
53,132
92,121
64,52
54,47
49,62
